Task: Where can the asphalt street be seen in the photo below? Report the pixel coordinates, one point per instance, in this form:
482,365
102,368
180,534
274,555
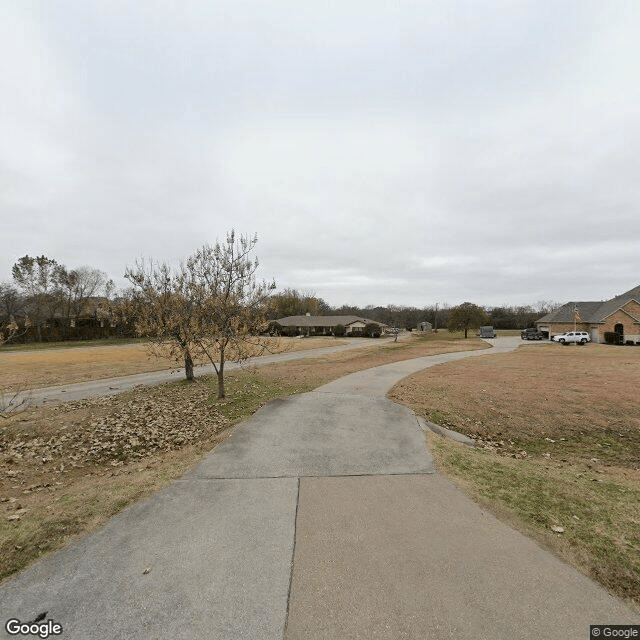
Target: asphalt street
319,517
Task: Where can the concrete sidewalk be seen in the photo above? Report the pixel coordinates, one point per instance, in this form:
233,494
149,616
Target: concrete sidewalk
319,517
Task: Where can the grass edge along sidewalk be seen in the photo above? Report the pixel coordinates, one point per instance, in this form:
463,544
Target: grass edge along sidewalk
67,468
555,458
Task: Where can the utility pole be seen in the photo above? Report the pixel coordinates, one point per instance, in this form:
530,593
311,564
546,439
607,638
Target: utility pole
435,320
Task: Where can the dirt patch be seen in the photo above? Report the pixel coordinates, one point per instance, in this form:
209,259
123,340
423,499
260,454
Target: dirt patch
39,368
558,455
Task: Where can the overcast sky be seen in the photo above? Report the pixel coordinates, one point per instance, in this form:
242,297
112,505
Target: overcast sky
404,152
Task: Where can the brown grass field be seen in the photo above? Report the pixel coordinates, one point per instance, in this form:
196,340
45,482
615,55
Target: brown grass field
36,368
558,435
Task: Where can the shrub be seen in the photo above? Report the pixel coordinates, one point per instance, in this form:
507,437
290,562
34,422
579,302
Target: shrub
275,329
372,330
339,330
611,337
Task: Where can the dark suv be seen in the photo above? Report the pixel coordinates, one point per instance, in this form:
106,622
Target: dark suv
532,334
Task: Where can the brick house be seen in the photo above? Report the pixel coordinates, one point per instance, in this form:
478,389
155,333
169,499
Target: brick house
620,315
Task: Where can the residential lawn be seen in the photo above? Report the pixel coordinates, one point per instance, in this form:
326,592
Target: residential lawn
558,444
69,344
66,363
67,468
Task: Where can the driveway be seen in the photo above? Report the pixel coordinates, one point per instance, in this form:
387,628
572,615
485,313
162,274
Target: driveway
319,517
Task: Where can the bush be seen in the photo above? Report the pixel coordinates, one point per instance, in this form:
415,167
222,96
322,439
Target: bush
611,337
372,330
275,329
630,342
290,331
339,330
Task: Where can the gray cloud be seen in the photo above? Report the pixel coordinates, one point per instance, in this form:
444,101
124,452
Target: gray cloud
384,153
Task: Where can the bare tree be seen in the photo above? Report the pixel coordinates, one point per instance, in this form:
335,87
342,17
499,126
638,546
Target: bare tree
79,286
160,311
211,308
11,402
9,330
232,306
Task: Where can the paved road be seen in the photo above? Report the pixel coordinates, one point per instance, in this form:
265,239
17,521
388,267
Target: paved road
320,517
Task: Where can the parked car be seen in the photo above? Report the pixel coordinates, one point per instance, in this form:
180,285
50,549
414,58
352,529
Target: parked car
532,334
579,337
487,332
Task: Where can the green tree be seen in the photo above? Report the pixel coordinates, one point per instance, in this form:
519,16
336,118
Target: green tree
39,278
466,316
292,302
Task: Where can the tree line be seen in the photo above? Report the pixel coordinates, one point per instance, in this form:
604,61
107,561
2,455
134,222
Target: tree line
46,294
60,303
291,302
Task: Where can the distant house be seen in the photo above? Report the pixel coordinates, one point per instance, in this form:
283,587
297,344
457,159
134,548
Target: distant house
619,315
321,325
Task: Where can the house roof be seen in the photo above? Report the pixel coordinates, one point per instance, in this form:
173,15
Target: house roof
586,310
594,312
614,304
322,321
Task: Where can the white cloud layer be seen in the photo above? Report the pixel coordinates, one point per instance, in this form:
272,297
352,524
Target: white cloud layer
384,152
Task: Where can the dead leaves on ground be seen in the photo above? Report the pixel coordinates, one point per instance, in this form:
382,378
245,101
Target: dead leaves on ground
112,430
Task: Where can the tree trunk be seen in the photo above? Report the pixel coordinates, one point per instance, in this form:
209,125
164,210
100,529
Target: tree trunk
221,393
221,382
188,365
465,332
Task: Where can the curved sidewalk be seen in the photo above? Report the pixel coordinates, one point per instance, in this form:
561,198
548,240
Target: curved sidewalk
114,386
319,517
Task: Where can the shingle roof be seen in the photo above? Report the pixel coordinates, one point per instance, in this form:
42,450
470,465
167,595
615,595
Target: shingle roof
321,321
592,311
614,304
586,310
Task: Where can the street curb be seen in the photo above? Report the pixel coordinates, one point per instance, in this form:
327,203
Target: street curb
443,431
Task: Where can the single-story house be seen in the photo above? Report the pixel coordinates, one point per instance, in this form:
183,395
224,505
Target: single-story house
322,325
619,315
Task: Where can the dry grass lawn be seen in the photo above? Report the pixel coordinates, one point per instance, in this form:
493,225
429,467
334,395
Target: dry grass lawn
66,468
558,434
36,368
